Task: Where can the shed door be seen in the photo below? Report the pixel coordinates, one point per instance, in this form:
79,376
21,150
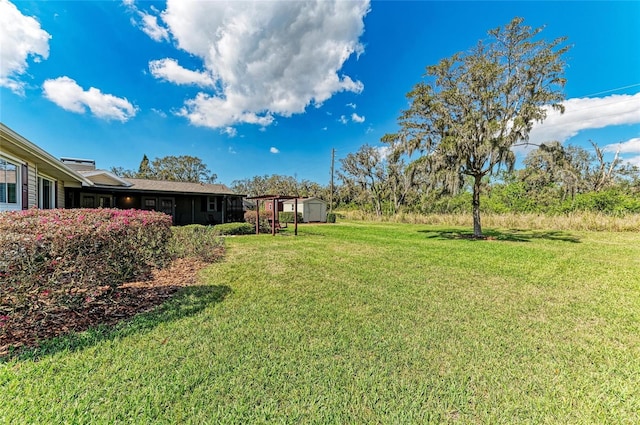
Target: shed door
314,212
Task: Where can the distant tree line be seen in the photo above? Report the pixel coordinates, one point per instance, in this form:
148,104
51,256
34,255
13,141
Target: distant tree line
554,179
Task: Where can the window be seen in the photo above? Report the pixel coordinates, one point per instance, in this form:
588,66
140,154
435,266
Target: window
212,203
149,203
46,193
9,182
88,201
105,202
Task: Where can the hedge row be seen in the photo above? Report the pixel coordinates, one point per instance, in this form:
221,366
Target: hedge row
196,241
67,257
234,229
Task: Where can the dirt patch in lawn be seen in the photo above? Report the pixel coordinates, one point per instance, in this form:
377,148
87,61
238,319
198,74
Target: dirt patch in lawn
20,331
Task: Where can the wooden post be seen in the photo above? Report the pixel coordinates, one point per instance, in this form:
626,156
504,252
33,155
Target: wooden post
273,217
295,216
224,209
257,216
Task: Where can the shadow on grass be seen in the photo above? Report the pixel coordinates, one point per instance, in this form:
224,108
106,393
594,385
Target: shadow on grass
187,301
511,235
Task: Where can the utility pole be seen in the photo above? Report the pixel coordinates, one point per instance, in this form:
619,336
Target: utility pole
333,155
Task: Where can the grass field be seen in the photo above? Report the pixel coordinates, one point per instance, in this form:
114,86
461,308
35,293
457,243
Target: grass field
365,323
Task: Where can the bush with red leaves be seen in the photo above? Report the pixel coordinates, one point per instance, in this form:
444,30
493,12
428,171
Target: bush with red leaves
69,257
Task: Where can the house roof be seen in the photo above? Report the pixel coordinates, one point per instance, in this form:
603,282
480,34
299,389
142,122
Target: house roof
104,177
145,185
15,144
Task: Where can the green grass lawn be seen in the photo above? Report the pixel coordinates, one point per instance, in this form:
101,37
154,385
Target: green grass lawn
365,323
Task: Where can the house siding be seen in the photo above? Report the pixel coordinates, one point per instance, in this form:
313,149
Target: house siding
59,194
33,186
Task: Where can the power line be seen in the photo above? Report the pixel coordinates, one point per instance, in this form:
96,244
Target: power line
612,90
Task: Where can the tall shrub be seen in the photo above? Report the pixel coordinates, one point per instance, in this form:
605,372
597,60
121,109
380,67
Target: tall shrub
265,217
66,256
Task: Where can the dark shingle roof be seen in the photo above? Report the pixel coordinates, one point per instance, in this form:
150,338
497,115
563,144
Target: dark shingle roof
179,187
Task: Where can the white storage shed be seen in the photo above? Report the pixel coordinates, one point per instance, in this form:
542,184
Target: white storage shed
312,209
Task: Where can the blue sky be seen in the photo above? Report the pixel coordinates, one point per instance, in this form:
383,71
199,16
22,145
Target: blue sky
272,87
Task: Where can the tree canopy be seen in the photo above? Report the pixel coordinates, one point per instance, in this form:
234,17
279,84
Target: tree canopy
183,168
476,105
278,185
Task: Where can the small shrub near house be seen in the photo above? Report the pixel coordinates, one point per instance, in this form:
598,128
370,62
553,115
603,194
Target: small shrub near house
234,229
68,257
331,217
265,217
196,241
288,217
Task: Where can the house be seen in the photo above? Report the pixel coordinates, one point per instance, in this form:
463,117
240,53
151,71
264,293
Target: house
186,202
312,209
31,177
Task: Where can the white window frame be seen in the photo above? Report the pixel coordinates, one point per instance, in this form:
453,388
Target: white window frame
12,206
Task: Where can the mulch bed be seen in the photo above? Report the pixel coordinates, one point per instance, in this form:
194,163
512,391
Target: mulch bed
19,332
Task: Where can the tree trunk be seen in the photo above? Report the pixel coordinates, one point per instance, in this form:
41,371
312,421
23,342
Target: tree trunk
378,206
477,228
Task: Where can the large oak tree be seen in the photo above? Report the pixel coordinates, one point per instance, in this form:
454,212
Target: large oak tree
476,105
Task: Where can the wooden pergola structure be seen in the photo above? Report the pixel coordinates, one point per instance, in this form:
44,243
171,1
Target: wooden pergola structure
275,199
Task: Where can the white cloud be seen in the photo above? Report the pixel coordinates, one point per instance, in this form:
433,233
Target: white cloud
214,112
148,23
232,151
630,146
170,70
384,152
357,118
152,28
587,113
633,161
67,94
351,105
20,37
343,119
266,58
274,150
229,131
159,112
